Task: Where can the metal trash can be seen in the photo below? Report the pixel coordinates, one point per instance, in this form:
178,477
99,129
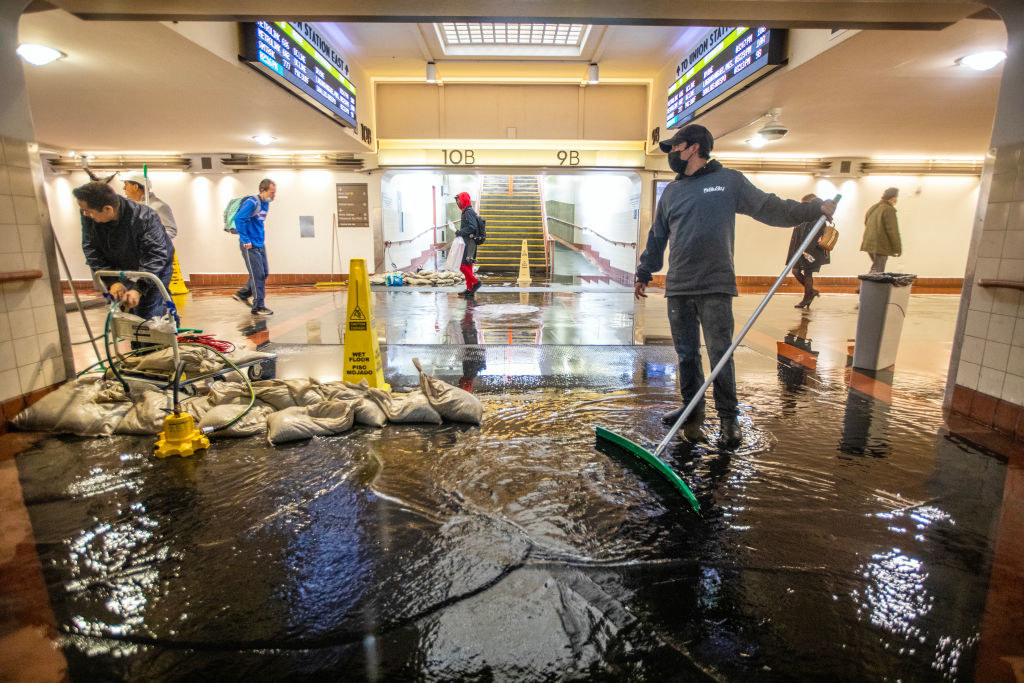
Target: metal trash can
884,298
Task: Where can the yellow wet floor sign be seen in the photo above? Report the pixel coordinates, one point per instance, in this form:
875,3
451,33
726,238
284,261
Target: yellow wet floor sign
177,285
362,351
524,267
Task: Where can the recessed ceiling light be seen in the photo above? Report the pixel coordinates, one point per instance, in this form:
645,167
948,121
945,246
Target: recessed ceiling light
983,61
264,139
38,54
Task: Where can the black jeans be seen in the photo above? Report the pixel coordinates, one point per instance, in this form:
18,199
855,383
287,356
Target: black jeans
687,315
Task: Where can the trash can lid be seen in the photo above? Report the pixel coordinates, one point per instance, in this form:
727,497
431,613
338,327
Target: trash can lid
895,279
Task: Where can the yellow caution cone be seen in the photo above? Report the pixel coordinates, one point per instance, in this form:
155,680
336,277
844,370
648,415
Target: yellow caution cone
177,281
524,267
362,352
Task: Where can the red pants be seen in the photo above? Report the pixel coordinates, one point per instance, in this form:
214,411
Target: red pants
467,270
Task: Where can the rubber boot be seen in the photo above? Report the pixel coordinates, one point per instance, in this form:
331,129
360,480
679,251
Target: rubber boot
691,428
732,434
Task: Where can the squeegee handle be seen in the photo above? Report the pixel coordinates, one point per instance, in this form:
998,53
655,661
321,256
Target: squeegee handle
811,235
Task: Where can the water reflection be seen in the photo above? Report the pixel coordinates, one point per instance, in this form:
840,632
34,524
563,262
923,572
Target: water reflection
866,418
796,358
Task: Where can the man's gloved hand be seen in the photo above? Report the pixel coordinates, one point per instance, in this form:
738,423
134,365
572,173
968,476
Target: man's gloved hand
828,207
118,290
131,299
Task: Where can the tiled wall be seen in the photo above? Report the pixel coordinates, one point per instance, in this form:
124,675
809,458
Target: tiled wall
31,358
991,353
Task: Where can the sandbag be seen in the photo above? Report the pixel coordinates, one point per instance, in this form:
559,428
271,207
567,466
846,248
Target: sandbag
197,407
450,402
198,360
366,411
411,407
253,422
229,393
286,393
304,422
147,415
75,408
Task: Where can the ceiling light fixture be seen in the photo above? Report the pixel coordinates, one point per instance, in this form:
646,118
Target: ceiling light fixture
38,55
757,142
431,72
773,129
592,75
983,61
264,139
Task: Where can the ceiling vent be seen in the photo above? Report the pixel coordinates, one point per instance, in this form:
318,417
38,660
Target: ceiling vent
843,168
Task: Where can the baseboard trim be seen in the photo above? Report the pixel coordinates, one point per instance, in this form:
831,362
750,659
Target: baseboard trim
748,284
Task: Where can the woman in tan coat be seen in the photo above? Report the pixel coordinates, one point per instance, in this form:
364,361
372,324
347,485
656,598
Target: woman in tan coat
881,231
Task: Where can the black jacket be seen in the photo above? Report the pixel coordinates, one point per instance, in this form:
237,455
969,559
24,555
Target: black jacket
135,240
467,231
819,254
696,219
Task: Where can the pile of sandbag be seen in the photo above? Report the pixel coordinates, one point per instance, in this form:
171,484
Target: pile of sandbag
283,409
423,278
198,360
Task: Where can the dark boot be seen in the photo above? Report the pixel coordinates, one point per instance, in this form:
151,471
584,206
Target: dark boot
691,428
732,434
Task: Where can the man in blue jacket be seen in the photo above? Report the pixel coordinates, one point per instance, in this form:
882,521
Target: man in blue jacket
696,218
249,224
119,234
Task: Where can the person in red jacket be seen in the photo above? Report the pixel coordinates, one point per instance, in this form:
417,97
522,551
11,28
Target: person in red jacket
467,231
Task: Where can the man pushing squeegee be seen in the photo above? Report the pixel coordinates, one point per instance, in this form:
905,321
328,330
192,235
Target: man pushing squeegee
696,217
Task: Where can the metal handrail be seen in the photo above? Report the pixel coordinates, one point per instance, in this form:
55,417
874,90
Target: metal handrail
388,243
591,230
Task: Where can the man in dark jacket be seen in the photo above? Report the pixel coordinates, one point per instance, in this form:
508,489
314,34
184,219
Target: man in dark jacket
119,234
696,218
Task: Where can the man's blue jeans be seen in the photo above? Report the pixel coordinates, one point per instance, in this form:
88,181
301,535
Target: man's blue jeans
687,315
256,265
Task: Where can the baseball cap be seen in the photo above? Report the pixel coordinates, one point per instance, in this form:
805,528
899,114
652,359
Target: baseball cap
689,134
138,179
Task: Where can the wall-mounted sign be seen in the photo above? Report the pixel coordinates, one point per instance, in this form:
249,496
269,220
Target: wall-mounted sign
724,60
627,155
295,56
353,205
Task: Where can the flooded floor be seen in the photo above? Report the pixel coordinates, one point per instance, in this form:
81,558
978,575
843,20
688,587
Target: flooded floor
846,539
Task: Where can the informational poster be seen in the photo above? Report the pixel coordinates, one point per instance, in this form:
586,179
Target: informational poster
353,205
306,227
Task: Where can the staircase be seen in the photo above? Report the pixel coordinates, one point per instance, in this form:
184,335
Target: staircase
511,206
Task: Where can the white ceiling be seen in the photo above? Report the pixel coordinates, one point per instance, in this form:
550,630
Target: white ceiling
144,86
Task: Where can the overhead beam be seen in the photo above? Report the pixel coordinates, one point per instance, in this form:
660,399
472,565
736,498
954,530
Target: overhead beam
858,14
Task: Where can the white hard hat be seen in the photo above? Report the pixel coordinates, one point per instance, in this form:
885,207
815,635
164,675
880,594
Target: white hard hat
138,179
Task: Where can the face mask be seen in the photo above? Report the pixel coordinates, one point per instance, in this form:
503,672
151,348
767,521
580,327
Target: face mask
675,161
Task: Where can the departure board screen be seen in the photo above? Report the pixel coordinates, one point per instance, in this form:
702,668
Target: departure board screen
294,55
725,59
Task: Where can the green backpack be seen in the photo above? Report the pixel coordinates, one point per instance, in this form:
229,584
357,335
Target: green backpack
231,210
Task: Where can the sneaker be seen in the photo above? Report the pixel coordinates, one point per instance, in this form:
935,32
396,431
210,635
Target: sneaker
464,293
242,299
475,287
732,435
262,310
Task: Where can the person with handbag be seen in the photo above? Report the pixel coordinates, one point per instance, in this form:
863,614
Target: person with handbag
467,231
811,261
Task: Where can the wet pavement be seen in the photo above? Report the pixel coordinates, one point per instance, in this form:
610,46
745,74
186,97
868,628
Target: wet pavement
846,539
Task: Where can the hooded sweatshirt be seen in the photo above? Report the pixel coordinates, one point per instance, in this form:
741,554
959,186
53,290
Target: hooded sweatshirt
696,219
